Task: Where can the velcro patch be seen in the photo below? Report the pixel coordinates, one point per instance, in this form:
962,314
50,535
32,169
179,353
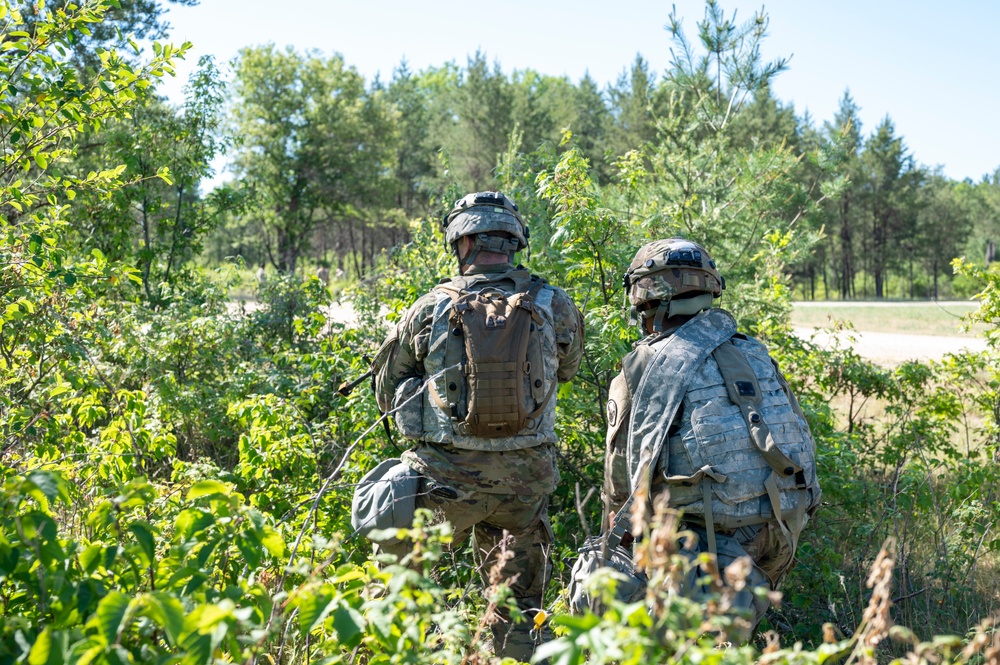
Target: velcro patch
745,388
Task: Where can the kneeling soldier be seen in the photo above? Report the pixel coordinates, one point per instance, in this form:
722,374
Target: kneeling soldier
702,411
473,368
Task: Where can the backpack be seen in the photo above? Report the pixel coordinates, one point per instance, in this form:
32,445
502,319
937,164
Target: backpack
502,371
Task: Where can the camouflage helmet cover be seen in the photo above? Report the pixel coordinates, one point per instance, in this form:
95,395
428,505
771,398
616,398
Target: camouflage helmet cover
485,212
665,269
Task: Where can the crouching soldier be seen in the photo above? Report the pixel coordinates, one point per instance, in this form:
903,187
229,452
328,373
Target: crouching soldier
702,412
472,368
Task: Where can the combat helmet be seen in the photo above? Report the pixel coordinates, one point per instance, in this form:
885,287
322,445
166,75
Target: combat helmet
671,277
492,218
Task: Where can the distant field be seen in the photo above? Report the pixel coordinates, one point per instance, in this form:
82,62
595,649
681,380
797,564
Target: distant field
920,318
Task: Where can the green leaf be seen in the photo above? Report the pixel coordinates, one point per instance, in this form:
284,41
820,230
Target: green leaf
250,547
350,626
51,484
42,648
207,488
144,535
273,541
313,608
198,649
60,389
69,278
110,616
167,612
91,557
190,522
581,623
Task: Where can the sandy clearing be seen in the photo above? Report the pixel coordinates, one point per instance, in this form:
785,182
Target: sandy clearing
833,304
896,348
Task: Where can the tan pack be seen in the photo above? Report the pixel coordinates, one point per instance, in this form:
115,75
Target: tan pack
495,328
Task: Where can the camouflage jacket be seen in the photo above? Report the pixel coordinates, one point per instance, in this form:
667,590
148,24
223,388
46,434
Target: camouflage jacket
527,470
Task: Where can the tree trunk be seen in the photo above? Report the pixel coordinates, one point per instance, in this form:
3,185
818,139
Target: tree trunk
148,253
846,249
911,275
173,236
934,269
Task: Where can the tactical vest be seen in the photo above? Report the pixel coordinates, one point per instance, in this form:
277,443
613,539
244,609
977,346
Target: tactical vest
739,448
745,438
514,375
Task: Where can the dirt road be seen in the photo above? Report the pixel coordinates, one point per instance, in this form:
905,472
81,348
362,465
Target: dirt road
896,348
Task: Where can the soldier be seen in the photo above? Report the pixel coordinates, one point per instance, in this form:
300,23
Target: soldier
486,350
702,411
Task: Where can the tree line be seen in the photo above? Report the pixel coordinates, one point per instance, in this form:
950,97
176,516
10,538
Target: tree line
329,168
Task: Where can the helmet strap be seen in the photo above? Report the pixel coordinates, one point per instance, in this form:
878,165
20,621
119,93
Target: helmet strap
671,308
493,244
660,313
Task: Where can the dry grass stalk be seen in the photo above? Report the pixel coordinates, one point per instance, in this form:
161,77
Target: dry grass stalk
876,621
491,616
772,642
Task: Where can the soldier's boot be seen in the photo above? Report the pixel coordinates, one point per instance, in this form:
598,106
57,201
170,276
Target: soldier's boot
518,639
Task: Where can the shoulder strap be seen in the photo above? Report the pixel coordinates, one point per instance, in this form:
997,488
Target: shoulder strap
453,379
744,391
659,400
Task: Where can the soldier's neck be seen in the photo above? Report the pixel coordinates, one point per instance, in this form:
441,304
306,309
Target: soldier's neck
487,268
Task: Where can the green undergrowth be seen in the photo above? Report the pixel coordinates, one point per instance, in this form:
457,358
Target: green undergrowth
176,470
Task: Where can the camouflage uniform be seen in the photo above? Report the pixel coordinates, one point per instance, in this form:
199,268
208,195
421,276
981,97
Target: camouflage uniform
711,460
486,492
761,539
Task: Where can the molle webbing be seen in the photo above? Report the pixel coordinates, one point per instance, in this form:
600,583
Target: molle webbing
496,328
744,391
656,400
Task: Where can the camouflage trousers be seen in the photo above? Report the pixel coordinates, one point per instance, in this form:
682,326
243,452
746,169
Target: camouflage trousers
766,547
486,517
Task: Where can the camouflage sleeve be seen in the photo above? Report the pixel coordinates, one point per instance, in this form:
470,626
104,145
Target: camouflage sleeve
569,334
402,354
616,471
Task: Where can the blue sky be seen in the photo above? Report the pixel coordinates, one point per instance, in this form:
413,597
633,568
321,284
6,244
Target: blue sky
933,70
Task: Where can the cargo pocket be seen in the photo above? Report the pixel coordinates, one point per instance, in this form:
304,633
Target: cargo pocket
409,405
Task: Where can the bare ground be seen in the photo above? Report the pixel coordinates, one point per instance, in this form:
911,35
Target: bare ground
895,348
